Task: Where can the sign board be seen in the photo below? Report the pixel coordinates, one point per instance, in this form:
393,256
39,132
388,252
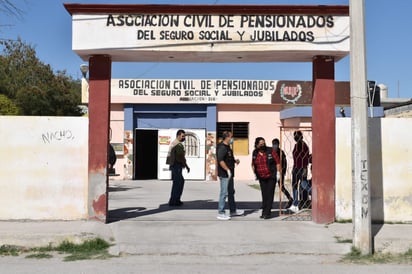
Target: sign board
193,91
183,33
211,91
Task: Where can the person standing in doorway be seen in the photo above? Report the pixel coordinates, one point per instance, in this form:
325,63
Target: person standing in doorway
284,164
226,172
300,167
177,161
265,164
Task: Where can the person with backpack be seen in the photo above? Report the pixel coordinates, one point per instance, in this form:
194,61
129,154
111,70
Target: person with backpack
266,166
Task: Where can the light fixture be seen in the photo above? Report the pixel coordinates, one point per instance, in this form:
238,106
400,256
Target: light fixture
85,83
84,69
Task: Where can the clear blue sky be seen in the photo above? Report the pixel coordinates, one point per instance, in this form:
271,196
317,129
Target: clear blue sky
46,25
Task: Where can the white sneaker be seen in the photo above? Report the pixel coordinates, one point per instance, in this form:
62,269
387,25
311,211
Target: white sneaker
294,208
238,212
223,217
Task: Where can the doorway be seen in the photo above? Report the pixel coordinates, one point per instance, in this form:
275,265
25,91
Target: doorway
145,154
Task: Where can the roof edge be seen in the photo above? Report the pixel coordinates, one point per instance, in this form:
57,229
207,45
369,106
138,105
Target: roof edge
75,8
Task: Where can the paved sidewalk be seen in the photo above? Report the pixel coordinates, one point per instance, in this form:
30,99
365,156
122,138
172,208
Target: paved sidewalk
142,224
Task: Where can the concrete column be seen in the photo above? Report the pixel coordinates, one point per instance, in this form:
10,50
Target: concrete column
323,140
99,119
362,227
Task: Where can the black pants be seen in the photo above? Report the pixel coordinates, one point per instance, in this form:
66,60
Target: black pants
177,185
283,188
267,188
298,175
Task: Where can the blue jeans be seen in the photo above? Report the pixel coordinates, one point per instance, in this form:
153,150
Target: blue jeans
177,185
226,190
297,177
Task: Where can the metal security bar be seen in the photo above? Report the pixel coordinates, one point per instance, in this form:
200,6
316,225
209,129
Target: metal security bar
192,145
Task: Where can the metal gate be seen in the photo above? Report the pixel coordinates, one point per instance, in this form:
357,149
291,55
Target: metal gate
300,176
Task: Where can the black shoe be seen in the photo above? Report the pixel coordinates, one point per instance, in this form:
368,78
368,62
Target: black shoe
289,203
178,203
265,217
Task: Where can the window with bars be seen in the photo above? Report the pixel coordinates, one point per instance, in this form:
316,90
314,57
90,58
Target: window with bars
191,145
240,132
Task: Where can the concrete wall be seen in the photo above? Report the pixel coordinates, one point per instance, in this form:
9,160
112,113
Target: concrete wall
390,169
43,171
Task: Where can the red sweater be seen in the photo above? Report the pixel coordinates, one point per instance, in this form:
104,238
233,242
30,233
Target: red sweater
300,155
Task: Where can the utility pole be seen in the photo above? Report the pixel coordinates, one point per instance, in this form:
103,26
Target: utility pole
362,236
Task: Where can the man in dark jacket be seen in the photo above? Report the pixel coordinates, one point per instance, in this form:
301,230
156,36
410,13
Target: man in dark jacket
177,161
284,164
300,167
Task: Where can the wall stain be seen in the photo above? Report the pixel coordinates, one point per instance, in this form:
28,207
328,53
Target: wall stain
99,207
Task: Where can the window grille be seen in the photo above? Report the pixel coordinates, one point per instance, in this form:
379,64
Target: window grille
240,132
192,145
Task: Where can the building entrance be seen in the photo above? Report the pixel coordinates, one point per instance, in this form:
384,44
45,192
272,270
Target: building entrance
145,154
103,34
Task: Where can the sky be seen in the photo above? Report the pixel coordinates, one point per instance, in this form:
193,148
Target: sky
46,25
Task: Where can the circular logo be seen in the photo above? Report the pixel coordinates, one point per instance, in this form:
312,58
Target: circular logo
290,94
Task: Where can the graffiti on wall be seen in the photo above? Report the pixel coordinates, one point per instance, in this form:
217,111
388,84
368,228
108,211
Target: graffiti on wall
364,190
56,136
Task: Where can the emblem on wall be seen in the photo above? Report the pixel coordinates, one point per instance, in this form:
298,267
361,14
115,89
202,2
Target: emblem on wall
291,94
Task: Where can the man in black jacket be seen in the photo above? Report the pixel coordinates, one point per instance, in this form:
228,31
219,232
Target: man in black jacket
177,161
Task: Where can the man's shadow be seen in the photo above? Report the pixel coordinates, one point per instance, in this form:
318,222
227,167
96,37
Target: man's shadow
124,213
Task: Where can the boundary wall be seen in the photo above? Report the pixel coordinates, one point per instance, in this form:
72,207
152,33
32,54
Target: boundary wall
44,168
390,169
